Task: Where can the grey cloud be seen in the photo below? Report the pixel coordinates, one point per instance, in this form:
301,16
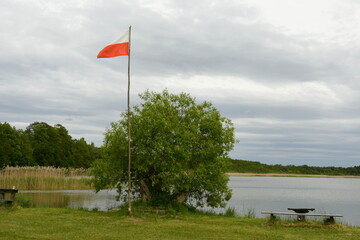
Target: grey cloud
298,144
49,71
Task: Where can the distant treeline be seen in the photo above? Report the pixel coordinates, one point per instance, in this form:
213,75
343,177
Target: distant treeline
44,145
243,166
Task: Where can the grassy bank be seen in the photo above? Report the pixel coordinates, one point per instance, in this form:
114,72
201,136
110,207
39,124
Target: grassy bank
43,178
51,223
289,175
245,166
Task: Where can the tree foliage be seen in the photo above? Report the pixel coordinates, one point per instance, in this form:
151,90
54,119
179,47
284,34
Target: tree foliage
178,151
244,166
10,150
43,145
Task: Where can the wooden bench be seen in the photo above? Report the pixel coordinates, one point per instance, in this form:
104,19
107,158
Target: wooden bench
7,195
301,216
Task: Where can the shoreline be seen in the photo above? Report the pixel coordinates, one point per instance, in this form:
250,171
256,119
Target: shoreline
288,175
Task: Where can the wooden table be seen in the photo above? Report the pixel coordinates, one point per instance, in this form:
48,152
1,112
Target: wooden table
301,210
7,195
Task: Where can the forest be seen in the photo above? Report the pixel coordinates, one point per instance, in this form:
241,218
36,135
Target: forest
244,166
43,145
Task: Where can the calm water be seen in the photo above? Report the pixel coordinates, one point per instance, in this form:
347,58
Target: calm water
326,195
103,200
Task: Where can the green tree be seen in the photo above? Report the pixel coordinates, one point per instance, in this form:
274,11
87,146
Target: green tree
26,150
63,145
179,151
10,151
52,145
83,153
41,136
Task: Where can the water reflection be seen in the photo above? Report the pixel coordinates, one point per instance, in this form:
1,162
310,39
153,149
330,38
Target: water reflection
88,199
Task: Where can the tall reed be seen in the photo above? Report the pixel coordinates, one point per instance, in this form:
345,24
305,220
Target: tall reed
43,178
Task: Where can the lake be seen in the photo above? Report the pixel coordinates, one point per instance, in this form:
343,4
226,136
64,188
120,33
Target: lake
326,195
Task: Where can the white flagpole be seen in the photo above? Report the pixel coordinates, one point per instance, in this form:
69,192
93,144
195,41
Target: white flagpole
129,130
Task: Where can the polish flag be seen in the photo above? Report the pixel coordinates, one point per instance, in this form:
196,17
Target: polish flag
118,47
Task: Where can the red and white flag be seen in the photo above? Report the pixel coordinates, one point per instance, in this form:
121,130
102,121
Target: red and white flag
118,47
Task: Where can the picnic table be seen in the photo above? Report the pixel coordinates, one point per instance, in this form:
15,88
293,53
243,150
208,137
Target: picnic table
7,195
301,213
301,210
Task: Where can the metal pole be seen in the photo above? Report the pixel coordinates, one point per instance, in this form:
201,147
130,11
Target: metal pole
129,130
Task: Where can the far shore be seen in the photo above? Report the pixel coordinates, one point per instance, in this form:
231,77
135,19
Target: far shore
288,175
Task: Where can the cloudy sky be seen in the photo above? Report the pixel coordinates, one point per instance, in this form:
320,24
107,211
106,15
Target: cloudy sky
285,72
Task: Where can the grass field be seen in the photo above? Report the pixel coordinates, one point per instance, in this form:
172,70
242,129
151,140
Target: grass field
57,223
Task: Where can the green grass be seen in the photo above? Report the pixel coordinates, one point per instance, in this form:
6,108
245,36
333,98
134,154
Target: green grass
57,223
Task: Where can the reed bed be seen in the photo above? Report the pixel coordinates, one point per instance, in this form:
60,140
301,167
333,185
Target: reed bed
44,178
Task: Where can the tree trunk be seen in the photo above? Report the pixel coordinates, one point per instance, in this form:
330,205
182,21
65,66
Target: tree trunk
145,190
182,197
